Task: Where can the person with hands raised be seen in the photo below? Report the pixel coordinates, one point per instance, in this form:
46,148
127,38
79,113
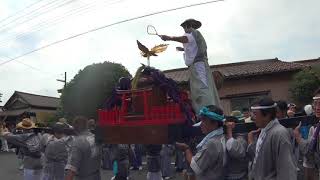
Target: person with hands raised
202,87
236,148
310,147
209,161
272,154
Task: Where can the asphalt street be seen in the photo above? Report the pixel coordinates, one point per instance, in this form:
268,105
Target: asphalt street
9,170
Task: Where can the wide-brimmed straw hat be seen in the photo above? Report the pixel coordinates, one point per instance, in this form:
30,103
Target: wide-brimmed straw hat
63,120
238,115
195,24
26,123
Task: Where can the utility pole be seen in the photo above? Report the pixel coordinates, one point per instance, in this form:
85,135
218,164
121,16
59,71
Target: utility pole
64,81
0,97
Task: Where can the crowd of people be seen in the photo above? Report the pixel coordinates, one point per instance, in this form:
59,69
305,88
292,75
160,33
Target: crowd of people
270,152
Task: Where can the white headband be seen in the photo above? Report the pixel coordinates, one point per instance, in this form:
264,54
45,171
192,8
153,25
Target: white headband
316,98
291,105
264,107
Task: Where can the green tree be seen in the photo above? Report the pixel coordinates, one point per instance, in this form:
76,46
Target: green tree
89,89
51,120
304,84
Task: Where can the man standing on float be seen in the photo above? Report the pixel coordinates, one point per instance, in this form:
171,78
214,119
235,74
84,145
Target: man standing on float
202,87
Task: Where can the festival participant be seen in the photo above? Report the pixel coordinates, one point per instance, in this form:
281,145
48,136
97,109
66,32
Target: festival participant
92,125
120,161
310,148
282,109
29,144
308,109
4,146
179,161
202,87
153,162
208,162
239,116
292,108
137,160
271,154
55,153
165,161
85,157
236,146
246,115
309,166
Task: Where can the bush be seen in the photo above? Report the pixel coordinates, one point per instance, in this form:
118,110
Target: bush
88,90
304,84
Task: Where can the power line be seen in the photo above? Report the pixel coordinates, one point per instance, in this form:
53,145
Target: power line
36,14
31,67
27,7
45,24
30,12
106,26
39,70
54,21
47,10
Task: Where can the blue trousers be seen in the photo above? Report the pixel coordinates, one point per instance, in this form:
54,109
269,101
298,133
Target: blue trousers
31,174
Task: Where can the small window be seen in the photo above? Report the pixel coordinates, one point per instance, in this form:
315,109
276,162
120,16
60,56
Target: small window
244,102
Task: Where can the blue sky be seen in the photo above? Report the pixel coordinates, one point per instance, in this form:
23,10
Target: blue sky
235,30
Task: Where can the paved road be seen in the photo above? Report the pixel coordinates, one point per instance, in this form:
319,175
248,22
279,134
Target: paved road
9,170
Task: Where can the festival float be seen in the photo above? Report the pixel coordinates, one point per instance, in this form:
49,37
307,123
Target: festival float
151,108
148,109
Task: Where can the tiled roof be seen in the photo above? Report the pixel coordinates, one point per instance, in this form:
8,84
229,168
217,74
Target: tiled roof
18,112
311,62
243,69
38,100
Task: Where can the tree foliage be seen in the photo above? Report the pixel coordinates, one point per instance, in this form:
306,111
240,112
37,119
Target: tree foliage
304,85
90,88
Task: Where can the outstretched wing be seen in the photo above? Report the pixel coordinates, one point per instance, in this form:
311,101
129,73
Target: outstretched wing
142,48
148,54
159,48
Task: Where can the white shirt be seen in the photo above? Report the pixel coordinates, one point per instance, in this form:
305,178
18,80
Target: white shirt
190,52
190,49
229,143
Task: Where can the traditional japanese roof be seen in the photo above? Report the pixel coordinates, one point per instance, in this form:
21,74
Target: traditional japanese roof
243,69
